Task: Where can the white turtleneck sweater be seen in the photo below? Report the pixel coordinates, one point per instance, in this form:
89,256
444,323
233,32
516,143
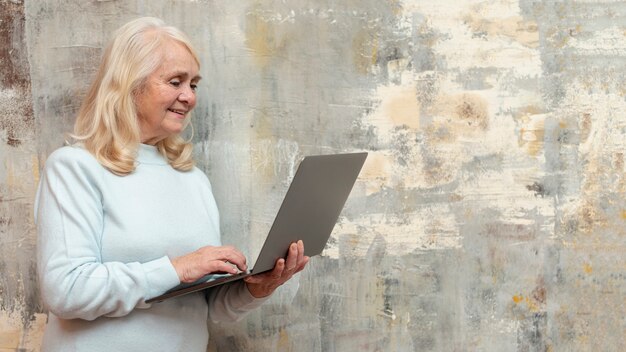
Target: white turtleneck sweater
105,244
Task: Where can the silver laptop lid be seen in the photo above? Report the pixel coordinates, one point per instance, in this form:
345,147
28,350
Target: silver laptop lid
311,206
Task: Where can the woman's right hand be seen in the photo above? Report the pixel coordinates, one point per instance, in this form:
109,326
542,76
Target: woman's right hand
209,260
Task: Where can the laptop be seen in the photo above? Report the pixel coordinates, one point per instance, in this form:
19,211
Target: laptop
308,212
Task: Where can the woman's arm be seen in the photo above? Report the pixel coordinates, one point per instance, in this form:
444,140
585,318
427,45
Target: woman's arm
231,302
74,281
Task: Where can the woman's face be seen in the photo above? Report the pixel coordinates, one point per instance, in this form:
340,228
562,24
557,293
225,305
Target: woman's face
169,94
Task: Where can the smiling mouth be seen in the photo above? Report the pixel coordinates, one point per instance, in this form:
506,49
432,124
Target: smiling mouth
179,112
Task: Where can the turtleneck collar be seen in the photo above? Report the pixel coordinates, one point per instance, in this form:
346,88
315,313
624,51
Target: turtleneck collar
149,154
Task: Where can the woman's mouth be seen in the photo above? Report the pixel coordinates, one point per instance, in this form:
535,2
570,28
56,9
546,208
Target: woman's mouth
180,113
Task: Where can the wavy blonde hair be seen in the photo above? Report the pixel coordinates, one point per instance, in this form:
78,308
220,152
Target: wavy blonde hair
107,122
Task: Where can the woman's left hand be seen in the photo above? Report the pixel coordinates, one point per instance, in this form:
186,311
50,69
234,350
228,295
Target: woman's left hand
264,284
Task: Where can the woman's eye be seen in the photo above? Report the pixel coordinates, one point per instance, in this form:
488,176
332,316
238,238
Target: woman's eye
175,83
194,86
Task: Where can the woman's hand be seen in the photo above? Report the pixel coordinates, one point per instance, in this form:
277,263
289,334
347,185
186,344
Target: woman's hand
264,284
208,260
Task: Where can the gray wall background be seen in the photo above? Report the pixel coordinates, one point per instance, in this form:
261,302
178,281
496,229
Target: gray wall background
490,215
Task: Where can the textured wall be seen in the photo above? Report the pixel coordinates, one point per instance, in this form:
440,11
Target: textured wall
21,321
491,212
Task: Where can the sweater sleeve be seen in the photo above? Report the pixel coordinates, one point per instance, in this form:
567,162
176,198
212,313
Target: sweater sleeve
74,281
231,302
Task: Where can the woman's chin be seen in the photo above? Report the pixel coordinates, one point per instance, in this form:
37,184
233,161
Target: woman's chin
174,128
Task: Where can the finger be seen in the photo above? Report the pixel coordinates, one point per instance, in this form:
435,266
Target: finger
302,264
237,260
292,257
300,251
219,266
277,272
229,254
236,257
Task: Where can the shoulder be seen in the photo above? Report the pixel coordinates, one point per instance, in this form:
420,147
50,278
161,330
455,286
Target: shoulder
72,159
199,176
70,154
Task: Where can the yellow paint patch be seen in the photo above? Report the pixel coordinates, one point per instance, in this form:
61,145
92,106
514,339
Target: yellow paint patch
9,339
624,214
376,172
365,50
10,333
400,105
263,123
396,7
15,336
532,305
35,168
591,213
261,39
583,339
283,341
585,127
471,109
464,114
532,134
515,28
531,110
34,332
464,111
587,268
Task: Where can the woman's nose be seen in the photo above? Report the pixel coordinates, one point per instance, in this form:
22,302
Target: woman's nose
188,96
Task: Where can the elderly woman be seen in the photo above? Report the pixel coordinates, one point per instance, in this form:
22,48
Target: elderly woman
123,215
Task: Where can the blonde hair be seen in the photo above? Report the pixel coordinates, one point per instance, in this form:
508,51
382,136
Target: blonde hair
107,123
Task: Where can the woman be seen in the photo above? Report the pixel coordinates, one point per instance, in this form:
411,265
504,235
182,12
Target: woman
123,215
